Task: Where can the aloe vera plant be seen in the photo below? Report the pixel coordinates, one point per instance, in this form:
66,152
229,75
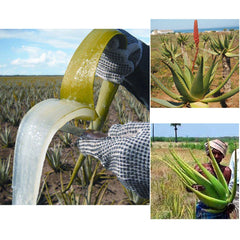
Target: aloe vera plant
216,194
6,138
223,47
169,50
5,177
53,156
194,90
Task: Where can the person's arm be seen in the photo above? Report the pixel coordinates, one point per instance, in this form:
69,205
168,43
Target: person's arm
227,173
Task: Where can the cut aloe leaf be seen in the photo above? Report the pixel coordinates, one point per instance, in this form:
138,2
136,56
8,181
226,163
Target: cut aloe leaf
79,77
41,123
34,135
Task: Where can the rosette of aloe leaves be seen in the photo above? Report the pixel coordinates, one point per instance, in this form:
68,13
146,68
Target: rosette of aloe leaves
195,88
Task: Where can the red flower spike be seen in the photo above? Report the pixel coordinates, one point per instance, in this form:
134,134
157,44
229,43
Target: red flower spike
195,33
196,40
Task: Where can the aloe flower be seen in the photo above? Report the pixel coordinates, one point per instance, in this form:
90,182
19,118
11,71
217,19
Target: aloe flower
194,89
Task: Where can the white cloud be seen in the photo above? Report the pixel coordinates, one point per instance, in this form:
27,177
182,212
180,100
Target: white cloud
38,56
56,58
3,65
58,38
32,51
30,62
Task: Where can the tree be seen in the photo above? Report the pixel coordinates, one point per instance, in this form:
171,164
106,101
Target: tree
175,129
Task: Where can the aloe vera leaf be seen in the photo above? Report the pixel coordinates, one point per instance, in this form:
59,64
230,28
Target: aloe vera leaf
178,78
234,189
231,42
221,42
217,187
207,79
198,178
223,83
37,129
183,177
181,87
197,89
229,54
188,76
180,172
107,91
167,91
222,97
217,170
232,49
105,98
167,104
211,52
80,73
210,201
180,83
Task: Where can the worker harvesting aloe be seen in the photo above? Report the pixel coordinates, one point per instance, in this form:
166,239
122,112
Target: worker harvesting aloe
208,181
219,150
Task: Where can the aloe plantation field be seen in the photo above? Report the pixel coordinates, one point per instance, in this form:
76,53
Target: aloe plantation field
169,198
93,184
179,58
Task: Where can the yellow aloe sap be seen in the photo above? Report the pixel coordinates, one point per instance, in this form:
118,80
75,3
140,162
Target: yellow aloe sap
33,138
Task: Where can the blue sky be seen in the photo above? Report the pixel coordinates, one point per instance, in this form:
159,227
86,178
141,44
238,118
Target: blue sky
43,51
196,130
179,24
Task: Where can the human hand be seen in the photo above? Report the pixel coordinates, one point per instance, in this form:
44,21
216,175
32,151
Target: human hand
128,67
116,63
126,152
230,207
198,187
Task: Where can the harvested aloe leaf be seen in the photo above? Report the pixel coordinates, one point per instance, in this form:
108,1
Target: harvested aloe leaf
42,121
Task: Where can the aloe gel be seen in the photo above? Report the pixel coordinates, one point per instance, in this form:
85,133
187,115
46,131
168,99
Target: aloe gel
33,138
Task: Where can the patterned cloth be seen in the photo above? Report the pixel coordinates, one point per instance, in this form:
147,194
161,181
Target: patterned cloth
202,214
218,145
126,152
